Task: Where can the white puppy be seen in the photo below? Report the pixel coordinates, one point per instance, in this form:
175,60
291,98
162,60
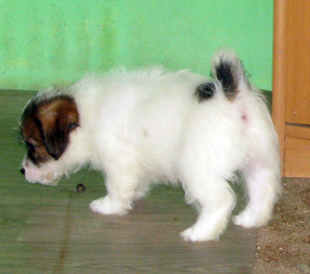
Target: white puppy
151,125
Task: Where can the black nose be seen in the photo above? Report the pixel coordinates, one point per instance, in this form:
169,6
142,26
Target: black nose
22,170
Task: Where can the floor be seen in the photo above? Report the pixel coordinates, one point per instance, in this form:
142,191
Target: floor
46,229
284,244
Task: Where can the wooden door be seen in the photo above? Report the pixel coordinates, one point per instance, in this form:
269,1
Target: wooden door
291,89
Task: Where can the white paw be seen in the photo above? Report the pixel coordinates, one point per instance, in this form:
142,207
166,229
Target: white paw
195,234
107,205
252,218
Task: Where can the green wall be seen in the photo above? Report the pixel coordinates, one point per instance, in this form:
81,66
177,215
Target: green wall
58,41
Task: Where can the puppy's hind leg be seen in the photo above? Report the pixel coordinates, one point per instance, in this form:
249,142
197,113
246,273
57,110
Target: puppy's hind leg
262,168
263,189
217,202
262,178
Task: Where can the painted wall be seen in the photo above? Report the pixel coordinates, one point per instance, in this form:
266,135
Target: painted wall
58,41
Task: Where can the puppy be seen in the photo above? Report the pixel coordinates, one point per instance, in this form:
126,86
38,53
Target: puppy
151,125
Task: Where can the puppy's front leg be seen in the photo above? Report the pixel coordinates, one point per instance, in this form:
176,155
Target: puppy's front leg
121,191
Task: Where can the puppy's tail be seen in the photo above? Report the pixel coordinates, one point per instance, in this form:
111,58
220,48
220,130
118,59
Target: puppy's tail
228,70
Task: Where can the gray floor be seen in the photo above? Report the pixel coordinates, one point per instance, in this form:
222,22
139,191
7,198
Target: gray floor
51,230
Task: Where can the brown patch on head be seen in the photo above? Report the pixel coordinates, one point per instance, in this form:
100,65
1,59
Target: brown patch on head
46,125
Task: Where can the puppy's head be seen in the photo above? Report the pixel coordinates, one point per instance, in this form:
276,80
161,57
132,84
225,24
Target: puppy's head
45,127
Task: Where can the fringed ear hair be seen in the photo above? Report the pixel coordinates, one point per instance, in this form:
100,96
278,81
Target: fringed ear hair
58,117
228,70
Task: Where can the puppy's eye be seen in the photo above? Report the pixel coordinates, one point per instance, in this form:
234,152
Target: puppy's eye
31,147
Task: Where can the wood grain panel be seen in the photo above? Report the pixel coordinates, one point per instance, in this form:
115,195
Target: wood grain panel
291,84
298,131
279,72
297,39
297,157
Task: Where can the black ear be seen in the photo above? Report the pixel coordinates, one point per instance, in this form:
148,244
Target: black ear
228,70
226,75
58,116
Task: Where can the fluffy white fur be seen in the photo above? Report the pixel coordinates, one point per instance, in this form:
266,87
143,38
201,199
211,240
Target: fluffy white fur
147,125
